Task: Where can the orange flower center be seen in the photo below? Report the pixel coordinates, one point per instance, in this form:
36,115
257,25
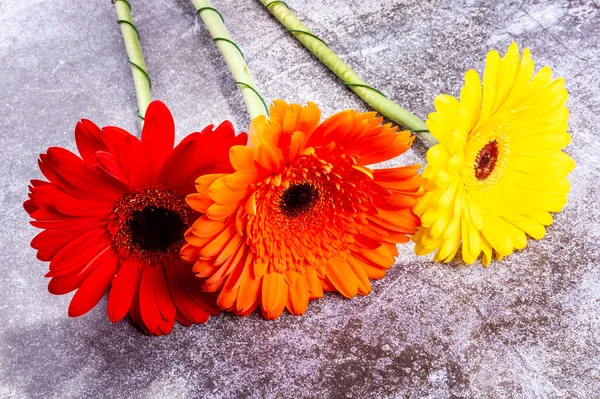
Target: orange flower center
298,199
486,160
308,213
150,224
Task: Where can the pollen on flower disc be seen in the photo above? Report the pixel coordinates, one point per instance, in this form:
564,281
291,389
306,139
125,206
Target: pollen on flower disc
298,199
150,223
155,228
486,160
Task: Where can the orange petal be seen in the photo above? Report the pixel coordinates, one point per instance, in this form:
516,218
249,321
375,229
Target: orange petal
402,220
272,293
199,202
298,296
251,204
249,292
216,281
412,185
342,277
229,293
189,253
364,285
315,289
205,227
205,181
260,267
269,157
380,257
222,194
297,143
364,170
231,248
241,157
240,221
373,272
204,269
220,211
275,313
241,180
396,201
396,238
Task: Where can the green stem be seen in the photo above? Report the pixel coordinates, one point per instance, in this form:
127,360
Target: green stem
234,57
141,80
371,96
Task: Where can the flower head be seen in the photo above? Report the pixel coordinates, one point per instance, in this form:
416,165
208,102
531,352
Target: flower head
302,214
499,169
117,215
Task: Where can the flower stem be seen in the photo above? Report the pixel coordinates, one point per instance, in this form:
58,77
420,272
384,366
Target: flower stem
371,96
234,57
141,79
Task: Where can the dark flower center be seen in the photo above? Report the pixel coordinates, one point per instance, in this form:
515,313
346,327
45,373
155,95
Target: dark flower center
298,199
486,160
150,224
156,228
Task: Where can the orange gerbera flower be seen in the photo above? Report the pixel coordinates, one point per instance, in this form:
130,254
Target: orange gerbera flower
302,214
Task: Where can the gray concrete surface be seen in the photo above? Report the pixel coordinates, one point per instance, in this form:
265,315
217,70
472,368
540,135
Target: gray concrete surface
528,326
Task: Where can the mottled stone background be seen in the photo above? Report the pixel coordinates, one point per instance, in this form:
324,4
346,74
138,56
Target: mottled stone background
528,326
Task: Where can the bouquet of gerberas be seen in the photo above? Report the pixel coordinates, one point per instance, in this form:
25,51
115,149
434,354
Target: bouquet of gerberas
177,233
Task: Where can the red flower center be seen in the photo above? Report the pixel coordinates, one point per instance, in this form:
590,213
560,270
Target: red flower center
486,160
150,224
298,199
155,228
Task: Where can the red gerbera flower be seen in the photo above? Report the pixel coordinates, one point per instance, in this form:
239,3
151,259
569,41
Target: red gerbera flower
117,216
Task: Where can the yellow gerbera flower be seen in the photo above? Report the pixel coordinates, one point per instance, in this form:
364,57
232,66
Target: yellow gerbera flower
498,170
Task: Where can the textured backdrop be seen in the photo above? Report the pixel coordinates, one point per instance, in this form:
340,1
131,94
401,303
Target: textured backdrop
528,326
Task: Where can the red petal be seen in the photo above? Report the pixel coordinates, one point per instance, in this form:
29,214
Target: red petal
129,155
163,297
134,311
51,197
89,141
79,179
51,214
158,136
64,284
180,166
78,253
46,169
191,285
181,319
94,287
30,206
199,154
50,242
225,137
122,291
54,239
148,306
186,307
70,223
107,163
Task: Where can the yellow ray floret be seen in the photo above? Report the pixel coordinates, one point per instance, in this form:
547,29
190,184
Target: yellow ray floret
499,170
